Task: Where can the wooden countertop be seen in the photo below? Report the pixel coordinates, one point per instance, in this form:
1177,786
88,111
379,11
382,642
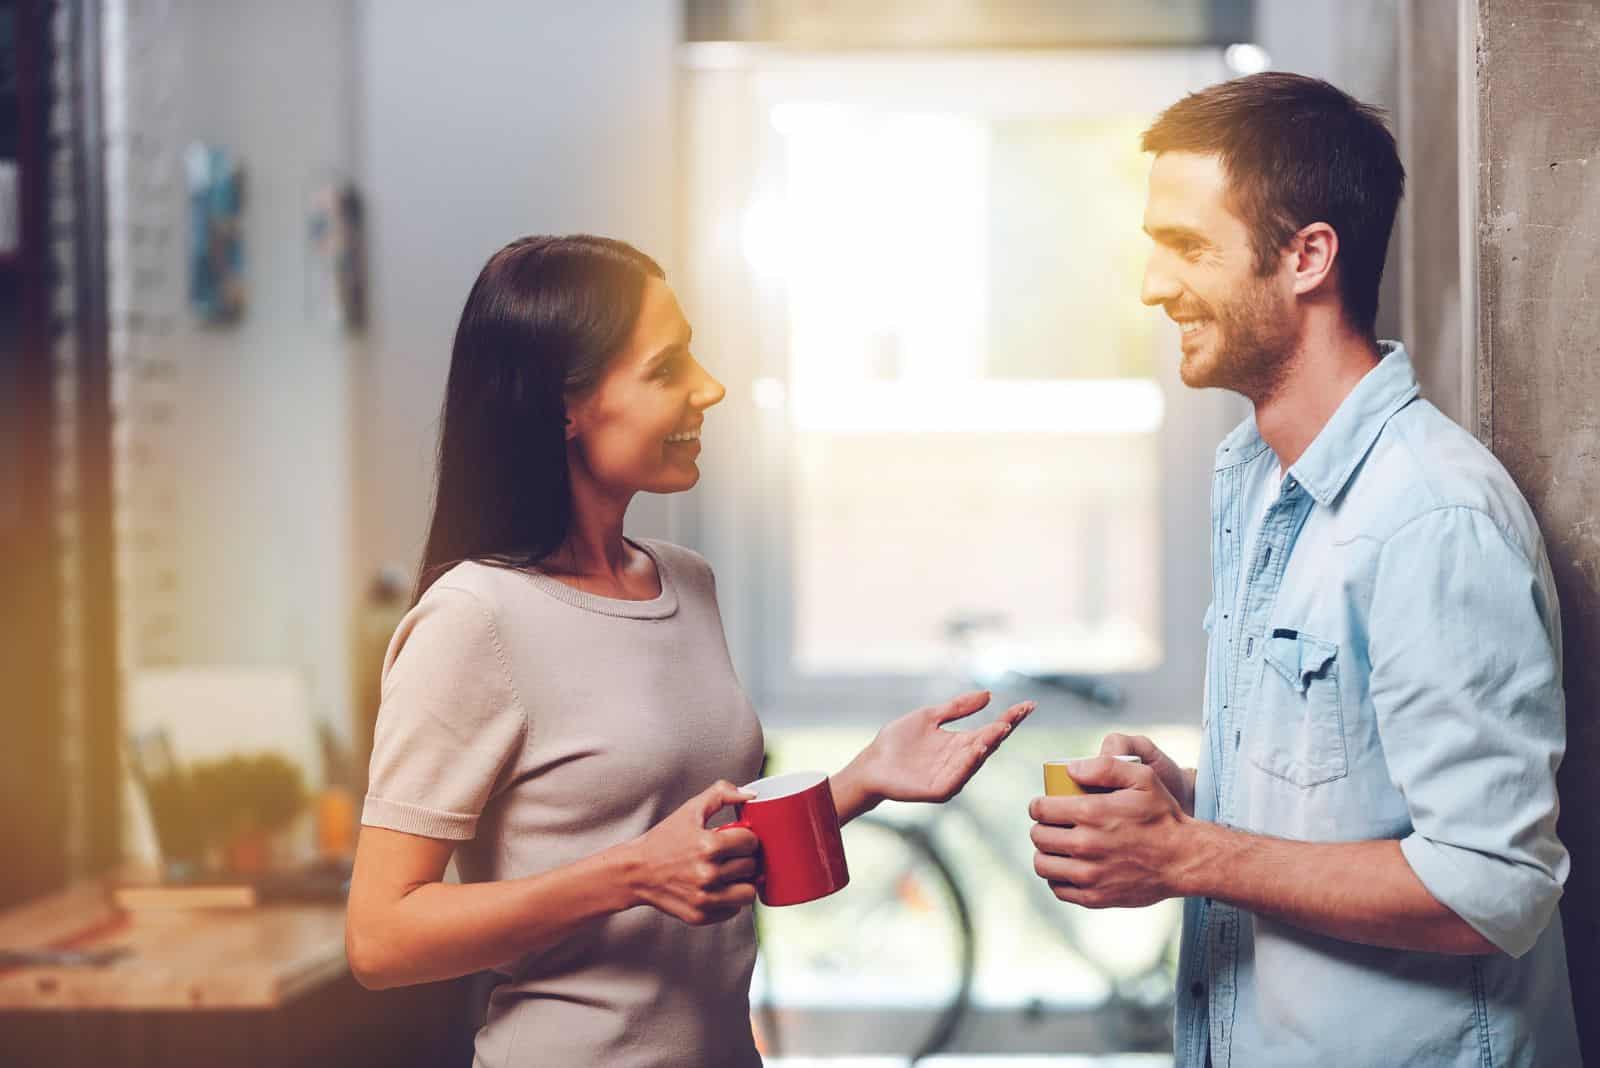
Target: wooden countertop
238,958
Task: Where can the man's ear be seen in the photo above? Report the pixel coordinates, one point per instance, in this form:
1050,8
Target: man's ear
1313,251
570,427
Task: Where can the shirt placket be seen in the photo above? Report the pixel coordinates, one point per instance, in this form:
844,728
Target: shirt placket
1256,572
1225,550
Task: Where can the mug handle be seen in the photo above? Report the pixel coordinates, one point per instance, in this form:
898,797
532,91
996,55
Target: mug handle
761,869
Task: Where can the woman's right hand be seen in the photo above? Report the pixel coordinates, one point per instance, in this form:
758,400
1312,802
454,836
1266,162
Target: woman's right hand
1178,781
686,870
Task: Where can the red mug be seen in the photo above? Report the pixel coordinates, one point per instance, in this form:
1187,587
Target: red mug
802,855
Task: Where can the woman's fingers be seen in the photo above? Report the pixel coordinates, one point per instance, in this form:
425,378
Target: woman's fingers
1018,712
731,842
960,707
993,734
714,798
733,896
740,869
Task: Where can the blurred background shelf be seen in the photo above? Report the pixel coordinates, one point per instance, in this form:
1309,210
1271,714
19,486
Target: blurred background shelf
257,986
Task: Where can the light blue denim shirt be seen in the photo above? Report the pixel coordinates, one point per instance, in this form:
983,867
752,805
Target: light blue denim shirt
1384,662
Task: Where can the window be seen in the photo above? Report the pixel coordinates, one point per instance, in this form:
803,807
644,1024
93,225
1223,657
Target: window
974,418
950,421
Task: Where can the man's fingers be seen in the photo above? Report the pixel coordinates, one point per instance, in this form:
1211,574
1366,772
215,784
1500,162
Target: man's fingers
1061,811
1048,839
1056,869
1073,894
960,707
1131,745
1108,773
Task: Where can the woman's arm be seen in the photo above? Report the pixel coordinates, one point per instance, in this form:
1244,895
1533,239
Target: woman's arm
405,926
914,759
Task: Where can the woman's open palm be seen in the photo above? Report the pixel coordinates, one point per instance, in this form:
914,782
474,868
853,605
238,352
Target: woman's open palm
915,759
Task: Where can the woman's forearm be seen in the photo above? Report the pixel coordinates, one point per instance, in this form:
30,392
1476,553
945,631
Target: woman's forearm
851,797
439,930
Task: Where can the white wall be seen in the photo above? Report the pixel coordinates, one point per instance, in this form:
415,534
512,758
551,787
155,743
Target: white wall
264,476
304,455
483,122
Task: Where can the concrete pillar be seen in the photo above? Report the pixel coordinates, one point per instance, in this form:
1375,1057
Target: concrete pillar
1538,376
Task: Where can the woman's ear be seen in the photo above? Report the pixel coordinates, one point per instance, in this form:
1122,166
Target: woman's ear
572,416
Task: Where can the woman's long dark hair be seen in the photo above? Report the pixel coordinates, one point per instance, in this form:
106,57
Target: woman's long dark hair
542,321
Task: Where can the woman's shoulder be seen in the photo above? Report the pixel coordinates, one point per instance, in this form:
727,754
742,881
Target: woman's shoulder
493,587
683,561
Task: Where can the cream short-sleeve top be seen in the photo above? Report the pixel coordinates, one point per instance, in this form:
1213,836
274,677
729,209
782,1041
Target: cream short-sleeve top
537,725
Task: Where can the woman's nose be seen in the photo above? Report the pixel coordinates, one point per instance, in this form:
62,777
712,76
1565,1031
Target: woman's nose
710,391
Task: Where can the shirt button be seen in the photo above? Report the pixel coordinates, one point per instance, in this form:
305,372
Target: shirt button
1198,989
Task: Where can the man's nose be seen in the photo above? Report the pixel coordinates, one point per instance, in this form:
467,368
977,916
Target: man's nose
1158,287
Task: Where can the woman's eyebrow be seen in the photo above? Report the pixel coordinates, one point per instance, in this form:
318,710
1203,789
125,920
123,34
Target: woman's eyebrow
665,353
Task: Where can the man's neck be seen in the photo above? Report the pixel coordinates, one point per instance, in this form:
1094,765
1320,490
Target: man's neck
1320,374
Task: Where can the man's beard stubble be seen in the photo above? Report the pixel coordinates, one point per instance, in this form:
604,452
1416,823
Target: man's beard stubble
1252,346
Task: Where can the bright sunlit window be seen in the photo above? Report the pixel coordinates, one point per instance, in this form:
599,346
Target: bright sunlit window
970,392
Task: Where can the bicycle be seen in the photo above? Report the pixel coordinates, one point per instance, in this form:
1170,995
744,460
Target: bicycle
906,887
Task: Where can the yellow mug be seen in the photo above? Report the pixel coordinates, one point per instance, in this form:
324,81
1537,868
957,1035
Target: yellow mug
1057,783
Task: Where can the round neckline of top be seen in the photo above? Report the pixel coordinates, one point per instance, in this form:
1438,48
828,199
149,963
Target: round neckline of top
660,606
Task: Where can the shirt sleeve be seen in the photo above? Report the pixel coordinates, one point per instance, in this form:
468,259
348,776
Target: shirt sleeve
450,724
1466,683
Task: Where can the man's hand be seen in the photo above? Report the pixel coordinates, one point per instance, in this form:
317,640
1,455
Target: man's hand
1179,781
1125,849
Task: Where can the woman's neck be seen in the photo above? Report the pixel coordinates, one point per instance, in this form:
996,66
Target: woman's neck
595,556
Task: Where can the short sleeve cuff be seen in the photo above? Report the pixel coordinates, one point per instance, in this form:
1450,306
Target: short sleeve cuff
1507,905
414,819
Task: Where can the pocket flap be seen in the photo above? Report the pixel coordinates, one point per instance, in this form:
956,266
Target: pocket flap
1298,656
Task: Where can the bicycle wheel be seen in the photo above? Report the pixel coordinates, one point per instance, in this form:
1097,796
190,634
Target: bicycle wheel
899,937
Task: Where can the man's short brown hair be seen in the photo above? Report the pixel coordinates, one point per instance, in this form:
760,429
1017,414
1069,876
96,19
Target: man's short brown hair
1296,151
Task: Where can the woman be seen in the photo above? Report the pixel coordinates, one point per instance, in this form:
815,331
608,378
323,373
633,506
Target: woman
558,707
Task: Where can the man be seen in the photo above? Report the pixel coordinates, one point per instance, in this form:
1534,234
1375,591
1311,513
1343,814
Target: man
1368,847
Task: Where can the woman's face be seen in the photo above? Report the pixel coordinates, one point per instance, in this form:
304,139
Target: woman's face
638,429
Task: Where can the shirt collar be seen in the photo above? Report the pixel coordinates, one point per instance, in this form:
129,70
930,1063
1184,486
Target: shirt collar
1333,456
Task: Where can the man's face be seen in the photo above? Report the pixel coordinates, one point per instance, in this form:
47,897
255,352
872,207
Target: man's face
1238,325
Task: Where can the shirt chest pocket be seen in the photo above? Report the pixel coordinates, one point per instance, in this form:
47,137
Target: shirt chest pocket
1297,730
